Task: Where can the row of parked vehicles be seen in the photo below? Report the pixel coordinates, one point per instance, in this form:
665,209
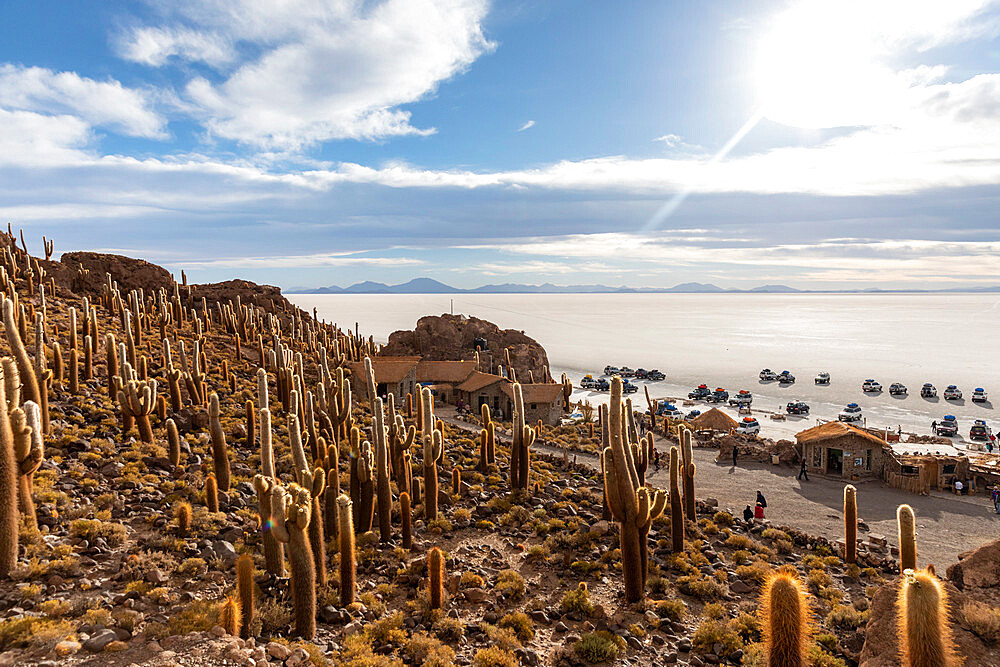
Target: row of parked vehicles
602,384
871,386
639,373
948,428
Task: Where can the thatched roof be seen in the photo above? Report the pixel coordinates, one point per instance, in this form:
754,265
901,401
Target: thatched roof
479,380
714,420
445,372
387,369
835,431
535,393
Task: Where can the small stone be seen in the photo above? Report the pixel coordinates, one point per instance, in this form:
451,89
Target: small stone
475,594
278,651
99,640
67,647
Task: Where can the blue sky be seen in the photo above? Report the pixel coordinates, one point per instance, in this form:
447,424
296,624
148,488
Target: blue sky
308,143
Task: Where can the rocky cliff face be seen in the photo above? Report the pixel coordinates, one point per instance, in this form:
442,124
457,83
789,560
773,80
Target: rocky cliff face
452,338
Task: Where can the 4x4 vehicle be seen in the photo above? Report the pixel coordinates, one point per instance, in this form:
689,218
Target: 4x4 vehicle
749,425
628,387
701,391
897,389
797,408
785,377
947,427
744,397
588,382
851,413
980,431
655,375
767,375
823,378
952,393
870,385
720,395
928,390
979,395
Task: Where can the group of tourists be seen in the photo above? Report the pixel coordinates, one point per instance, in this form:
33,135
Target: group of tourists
758,510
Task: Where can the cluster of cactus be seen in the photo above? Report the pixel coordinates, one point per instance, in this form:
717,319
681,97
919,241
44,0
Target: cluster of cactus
487,440
632,505
137,400
433,446
520,448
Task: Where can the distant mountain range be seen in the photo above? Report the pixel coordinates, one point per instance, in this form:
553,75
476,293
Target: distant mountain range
431,286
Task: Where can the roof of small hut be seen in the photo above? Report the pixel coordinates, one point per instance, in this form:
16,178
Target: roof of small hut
715,419
836,431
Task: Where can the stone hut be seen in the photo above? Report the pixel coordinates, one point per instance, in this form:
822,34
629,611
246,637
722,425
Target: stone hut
838,449
541,402
393,375
482,388
444,377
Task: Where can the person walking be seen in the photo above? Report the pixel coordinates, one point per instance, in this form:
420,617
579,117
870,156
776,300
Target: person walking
802,471
996,499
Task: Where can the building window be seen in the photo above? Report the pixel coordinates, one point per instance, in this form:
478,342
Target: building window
868,459
534,406
817,457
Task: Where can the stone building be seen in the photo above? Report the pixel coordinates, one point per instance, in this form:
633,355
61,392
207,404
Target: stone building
541,402
838,449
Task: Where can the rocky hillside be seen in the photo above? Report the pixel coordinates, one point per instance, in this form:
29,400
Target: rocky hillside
453,337
153,511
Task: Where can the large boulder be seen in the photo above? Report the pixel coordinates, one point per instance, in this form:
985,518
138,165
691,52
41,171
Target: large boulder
881,648
978,568
453,338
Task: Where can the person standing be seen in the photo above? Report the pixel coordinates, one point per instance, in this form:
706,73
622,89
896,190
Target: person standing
802,471
760,499
734,455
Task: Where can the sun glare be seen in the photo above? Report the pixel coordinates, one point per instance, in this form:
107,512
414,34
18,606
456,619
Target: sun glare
819,66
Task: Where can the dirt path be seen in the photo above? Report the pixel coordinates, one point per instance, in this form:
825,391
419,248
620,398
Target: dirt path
946,524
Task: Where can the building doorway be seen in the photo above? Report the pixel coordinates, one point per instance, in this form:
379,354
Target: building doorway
834,461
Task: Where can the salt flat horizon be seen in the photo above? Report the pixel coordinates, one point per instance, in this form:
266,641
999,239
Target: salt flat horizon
726,339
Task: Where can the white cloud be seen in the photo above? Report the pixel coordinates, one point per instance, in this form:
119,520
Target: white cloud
155,46
30,139
670,140
316,71
99,103
526,126
296,261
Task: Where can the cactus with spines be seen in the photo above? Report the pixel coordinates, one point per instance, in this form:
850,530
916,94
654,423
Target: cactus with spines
687,472
211,493
137,400
365,466
173,444
433,447
348,564
567,392
435,577
490,427
299,461
183,515
520,448
785,625
220,453
850,524
245,593
384,493
290,515
456,481
274,550
331,464
29,450
406,518
633,506
676,506
250,414
907,524
230,616
174,389
401,439
315,481
26,370
642,454
8,491
924,634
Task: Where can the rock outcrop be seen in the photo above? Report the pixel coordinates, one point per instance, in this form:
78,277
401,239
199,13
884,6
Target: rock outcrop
453,338
979,568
